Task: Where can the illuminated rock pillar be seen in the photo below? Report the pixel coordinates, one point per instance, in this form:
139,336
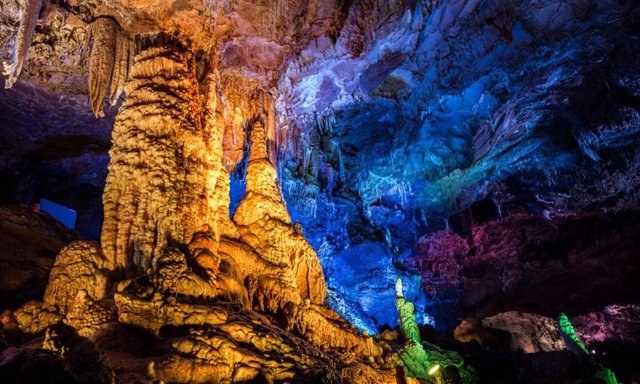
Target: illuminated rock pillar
263,199
264,223
164,163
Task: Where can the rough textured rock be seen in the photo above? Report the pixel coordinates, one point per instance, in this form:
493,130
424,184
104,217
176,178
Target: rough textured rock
30,240
33,317
158,168
153,313
530,333
80,266
87,315
612,324
530,264
30,12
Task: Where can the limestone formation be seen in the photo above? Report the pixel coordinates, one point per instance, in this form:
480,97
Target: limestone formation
80,266
153,313
225,299
87,315
101,62
33,317
28,21
111,56
530,333
123,59
157,185
264,224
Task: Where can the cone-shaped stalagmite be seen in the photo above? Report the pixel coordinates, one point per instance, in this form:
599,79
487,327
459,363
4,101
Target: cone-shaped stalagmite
264,222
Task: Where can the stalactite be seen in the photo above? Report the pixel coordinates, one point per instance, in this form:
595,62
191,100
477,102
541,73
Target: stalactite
123,60
28,22
101,61
110,60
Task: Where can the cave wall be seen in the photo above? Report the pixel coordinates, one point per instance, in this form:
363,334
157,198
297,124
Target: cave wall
448,114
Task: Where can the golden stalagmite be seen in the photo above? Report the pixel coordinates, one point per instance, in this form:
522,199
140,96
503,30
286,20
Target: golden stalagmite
264,223
157,187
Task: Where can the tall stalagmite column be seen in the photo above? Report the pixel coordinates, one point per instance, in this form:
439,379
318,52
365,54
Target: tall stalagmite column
263,198
264,223
162,167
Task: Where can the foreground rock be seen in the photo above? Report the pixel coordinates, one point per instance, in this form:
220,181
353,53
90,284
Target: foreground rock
30,241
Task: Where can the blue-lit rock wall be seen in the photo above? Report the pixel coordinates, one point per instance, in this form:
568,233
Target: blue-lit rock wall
395,127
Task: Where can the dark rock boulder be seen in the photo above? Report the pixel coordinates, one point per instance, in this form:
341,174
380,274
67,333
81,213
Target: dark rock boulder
30,241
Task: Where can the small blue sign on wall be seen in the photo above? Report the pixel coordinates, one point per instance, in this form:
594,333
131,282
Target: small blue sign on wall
66,216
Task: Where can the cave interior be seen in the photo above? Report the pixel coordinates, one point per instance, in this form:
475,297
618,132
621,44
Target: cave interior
320,191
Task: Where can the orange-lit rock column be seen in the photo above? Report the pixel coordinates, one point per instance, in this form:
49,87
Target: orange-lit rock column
163,166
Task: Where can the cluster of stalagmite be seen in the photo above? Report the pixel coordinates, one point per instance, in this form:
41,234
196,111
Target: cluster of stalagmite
233,299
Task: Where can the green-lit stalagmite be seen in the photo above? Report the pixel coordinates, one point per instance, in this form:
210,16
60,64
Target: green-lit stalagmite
425,360
575,345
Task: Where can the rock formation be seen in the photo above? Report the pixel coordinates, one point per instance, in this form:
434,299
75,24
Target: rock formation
243,295
530,333
158,171
30,13
111,57
484,151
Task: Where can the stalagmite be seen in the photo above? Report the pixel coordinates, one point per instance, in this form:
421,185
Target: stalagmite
156,192
264,222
